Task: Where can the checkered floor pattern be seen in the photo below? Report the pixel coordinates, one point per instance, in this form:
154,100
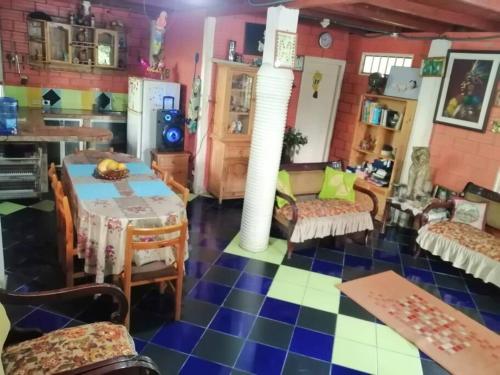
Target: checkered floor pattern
255,313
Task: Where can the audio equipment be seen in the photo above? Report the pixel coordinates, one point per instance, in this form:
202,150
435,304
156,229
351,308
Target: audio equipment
170,128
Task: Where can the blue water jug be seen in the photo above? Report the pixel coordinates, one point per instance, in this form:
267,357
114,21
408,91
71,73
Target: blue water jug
8,116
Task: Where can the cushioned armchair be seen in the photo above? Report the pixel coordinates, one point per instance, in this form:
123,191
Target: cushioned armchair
474,250
97,348
310,217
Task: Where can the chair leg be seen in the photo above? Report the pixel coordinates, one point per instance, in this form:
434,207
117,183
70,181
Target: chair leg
367,236
289,246
163,287
178,297
69,270
127,291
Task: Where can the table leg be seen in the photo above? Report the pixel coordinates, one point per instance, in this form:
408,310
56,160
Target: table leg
386,215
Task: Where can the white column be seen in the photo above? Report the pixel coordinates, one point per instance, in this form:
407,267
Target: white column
426,106
203,120
273,90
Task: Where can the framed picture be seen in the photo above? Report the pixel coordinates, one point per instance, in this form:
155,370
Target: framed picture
254,39
467,89
403,82
433,67
299,63
442,193
285,49
497,98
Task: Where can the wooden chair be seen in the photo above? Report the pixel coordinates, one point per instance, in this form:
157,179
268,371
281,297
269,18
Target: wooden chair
120,361
155,272
180,190
52,171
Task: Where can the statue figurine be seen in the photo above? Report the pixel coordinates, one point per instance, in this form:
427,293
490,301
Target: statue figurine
420,174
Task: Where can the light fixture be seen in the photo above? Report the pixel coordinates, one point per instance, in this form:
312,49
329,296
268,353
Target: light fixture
325,22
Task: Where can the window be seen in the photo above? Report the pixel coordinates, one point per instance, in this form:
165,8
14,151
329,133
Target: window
382,62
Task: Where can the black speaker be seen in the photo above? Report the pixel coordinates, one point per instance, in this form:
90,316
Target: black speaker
170,128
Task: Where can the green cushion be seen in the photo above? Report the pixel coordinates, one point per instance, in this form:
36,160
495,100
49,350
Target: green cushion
338,185
283,186
4,331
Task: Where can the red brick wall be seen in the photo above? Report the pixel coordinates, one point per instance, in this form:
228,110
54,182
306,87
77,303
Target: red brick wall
355,84
13,27
460,155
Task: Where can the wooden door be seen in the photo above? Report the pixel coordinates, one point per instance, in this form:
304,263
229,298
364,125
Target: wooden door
234,177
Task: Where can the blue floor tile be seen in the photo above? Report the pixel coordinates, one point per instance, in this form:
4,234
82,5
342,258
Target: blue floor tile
341,370
200,366
280,310
312,344
444,267
254,283
179,335
327,268
457,298
209,292
261,359
44,320
139,345
357,262
492,321
234,322
195,268
418,275
387,256
232,261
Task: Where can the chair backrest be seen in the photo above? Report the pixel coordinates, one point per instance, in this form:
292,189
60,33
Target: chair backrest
68,225
476,193
158,172
307,178
52,170
181,190
140,239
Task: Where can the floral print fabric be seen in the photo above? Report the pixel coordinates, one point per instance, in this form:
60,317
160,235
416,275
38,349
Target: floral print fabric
68,349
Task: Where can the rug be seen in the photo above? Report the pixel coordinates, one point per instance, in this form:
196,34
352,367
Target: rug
452,339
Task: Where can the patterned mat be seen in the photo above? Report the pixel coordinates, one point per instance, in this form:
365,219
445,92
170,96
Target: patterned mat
451,338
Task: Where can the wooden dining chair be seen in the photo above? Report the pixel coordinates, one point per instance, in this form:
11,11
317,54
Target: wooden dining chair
179,189
139,239
52,171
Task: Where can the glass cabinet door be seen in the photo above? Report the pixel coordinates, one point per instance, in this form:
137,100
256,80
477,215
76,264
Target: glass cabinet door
107,42
59,41
240,103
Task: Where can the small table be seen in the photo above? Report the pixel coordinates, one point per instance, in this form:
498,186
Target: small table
412,208
103,209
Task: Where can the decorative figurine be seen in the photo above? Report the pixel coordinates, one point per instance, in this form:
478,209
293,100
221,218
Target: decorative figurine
376,83
420,174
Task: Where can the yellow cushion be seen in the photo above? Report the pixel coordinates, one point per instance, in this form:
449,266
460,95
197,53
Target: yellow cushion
283,186
338,185
4,331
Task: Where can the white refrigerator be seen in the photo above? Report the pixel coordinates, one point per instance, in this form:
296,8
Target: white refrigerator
145,98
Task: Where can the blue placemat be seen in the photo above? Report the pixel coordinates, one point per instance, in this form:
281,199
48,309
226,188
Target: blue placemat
138,168
150,188
81,170
87,192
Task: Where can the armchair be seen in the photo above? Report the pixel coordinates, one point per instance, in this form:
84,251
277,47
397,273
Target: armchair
97,348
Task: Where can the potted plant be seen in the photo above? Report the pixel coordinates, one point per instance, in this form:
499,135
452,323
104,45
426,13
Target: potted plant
292,141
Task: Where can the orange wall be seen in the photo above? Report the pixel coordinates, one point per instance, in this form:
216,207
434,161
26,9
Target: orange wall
460,155
13,28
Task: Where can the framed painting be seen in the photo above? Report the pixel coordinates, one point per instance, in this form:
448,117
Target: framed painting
467,89
433,67
254,39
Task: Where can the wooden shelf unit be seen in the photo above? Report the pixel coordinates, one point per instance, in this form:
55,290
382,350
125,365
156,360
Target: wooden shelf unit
397,138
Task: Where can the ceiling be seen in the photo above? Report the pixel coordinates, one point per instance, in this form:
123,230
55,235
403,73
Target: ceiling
387,16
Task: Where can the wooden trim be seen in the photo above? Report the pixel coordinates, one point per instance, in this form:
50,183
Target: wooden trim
131,365
424,218
373,197
298,167
491,195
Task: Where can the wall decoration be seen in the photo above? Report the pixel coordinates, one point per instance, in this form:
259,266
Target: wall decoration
157,43
285,49
442,193
316,80
497,99
467,89
299,63
325,40
496,127
403,82
254,39
433,67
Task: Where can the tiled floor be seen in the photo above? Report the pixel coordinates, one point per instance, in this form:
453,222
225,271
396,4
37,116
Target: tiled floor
251,313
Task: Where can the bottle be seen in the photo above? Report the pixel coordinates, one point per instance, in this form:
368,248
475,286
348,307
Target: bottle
92,20
231,50
71,18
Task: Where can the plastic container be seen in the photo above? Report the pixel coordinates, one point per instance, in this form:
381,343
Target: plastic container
8,116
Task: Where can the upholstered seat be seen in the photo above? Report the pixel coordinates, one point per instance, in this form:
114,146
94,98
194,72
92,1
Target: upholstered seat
153,270
68,349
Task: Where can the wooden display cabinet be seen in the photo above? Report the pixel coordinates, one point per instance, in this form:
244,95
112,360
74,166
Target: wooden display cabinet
232,129
59,39
107,48
396,136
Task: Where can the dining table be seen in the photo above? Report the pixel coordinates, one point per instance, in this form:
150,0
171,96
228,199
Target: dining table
103,209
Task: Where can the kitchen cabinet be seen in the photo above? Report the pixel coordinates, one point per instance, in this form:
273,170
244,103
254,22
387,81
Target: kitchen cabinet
107,48
56,151
119,130
59,38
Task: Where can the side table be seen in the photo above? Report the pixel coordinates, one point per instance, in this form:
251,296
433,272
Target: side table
411,208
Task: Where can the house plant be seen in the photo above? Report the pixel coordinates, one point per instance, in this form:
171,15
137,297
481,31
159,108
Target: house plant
292,141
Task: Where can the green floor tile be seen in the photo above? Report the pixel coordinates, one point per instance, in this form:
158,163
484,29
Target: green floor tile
356,330
218,347
244,301
321,300
45,205
271,332
286,291
273,254
391,363
317,320
355,355
389,339
292,275
7,208
322,282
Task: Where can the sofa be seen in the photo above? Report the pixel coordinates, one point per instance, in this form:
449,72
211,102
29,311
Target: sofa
309,217
473,250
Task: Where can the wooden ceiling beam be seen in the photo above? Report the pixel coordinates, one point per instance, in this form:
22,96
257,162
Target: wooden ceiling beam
437,14
389,17
302,4
477,8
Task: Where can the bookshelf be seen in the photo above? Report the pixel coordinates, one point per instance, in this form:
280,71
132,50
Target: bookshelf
375,111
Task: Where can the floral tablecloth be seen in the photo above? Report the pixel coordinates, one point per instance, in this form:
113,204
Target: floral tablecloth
103,209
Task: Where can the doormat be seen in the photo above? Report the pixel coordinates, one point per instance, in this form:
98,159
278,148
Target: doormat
458,343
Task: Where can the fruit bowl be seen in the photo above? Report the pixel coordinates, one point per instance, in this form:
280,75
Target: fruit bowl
109,169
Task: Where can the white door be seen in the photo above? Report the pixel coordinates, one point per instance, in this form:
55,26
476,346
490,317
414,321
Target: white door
318,99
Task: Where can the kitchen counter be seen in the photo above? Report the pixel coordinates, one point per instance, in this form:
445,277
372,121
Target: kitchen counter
31,126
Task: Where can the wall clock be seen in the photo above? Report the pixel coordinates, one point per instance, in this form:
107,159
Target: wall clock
325,40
